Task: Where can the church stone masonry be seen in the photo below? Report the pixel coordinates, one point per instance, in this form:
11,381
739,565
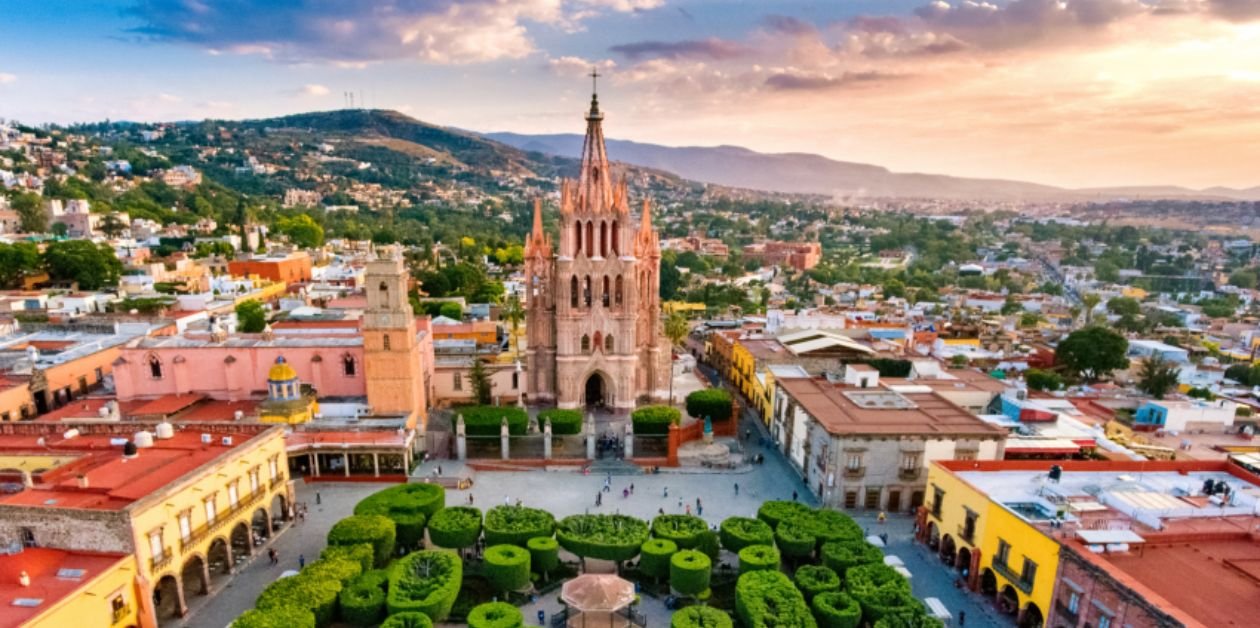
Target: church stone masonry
593,299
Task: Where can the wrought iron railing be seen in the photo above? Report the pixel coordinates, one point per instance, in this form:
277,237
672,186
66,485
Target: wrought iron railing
158,563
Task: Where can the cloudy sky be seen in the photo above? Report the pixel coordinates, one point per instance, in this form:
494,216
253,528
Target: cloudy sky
1069,92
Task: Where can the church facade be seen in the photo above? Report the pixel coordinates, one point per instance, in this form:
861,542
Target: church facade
593,319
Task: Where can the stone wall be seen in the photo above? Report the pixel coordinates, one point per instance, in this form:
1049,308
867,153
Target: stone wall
1099,594
73,529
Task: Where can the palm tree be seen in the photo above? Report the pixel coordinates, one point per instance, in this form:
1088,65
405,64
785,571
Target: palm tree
676,329
1090,301
514,314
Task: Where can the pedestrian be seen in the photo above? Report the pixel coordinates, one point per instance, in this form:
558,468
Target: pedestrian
699,509
272,556
666,491
301,561
318,499
747,434
688,511
542,617
962,618
737,488
599,499
632,488
883,536
625,493
794,495
660,511
518,502
882,518
507,501
680,504
439,469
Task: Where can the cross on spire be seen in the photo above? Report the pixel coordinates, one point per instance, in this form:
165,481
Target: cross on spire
594,78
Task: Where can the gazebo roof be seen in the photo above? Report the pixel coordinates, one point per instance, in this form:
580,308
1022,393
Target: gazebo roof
598,593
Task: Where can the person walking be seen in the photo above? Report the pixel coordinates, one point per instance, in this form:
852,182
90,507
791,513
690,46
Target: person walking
794,495
632,488
599,499
882,518
688,511
301,561
962,618
737,488
542,617
666,491
273,556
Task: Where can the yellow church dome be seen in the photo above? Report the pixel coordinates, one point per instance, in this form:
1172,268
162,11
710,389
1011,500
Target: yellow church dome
281,371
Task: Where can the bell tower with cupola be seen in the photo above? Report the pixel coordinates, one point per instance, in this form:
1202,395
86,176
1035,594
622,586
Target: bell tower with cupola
391,352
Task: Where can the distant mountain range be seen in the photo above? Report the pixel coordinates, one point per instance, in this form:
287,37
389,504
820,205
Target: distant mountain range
805,173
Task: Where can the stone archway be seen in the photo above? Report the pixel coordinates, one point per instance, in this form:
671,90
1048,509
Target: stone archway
218,560
947,550
964,561
242,542
988,582
934,536
279,509
261,524
1008,601
597,391
1031,617
194,576
168,598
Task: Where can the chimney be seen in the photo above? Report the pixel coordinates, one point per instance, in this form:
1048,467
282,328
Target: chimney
83,481
24,579
28,481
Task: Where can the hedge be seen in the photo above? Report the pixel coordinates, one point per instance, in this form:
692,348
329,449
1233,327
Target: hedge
912,619
888,603
654,557
714,403
515,525
831,525
841,556
336,569
795,539
544,554
815,579
605,537
654,420
317,595
373,529
408,620
701,617
879,589
361,553
408,505
563,422
378,578
758,558
362,605
776,512
507,567
767,599
456,527
427,582
689,572
836,609
740,532
280,617
495,615
487,420
684,530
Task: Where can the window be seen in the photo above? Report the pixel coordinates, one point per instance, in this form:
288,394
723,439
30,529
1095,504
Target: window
850,499
853,462
616,235
1029,573
1003,553
253,480
28,537
910,462
577,240
586,343
185,525
212,511
155,367
83,385
271,468
608,343
605,297
938,501
586,291
117,608
100,375
590,238
385,342
603,239
458,381
233,495
516,380
969,526
155,545
1074,602
617,289
348,366
1104,621
573,292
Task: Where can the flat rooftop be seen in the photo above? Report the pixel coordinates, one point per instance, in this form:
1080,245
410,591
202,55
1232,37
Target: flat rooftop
843,410
55,575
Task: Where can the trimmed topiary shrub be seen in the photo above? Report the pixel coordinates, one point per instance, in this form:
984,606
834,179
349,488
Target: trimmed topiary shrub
836,609
363,553
544,554
362,605
776,512
280,617
605,537
408,620
841,556
689,572
456,527
758,558
795,539
495,615
408,505
884,604
378,578
714,403
341,570
684,530
701,617
426,582
515,525
563,422
654,557
487,420
375,530
507,567
709,544
654,420
317,595
832,525
908,619
815,579
740,532
879,589
767,599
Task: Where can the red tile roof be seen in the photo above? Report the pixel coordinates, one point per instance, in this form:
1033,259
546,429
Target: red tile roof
41,566
215,410
167,405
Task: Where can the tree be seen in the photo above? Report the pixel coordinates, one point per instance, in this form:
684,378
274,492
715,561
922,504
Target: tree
93,267
1030,319
1011,306
30,213
1090,301
112,225
1124,306
451,309
1243,278
1092,352
60,229
16,261
1157,376
671,279
1038,379
676,329
514,313
480,380
251,318
302,230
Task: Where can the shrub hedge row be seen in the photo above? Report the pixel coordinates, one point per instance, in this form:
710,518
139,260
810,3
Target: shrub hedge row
279,617
487,420
689,572
427,582
776,512
495,615
758,558
544,554
315,595
408,620
605,537
836,609
507,567
654,420
880,590
740,532
362,605
408,505
517,524
654,557
375,530
815,579
701,617
456,527
714,403
361,553
840,556
563,422
795,538
684,530
767,599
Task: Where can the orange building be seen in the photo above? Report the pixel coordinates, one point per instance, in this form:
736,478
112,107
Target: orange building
292,268
484,332
52,369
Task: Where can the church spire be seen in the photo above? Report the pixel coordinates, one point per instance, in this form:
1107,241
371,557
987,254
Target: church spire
595,181
538,243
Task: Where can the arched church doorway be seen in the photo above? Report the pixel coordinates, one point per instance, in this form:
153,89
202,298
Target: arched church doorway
595,391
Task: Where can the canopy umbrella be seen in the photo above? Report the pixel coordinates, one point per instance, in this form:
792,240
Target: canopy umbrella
597,598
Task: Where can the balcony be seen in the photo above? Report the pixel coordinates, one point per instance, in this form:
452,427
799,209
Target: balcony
158,563
277,481
909,474
1017,580
854,472
119,614
221,520
967,535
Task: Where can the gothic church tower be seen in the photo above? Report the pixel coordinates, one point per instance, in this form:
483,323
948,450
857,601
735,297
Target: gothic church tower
593,299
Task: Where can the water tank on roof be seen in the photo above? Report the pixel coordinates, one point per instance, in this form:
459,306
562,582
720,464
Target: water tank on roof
165,430
143,439
238,415
206,439
130,451
70,433
227,441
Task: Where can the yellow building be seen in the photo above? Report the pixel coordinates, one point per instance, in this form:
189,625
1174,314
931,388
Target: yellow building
688,309
48,588
185,504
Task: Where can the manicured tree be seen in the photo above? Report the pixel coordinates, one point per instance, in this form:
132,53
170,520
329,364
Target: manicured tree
317,595
362,605
544,554
740,532
378,578
507,567
689,572
709,544
701,617
815,579
514,525
758,558
908,618
604,537
563,422
457,527
279,617
363,553
408,620
777,511
712,403
426,582
840,556
375,530
832,525
795,539
684,530
836,609
337,569
654,420
767,599
408,505
879,589
495,615
654,558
